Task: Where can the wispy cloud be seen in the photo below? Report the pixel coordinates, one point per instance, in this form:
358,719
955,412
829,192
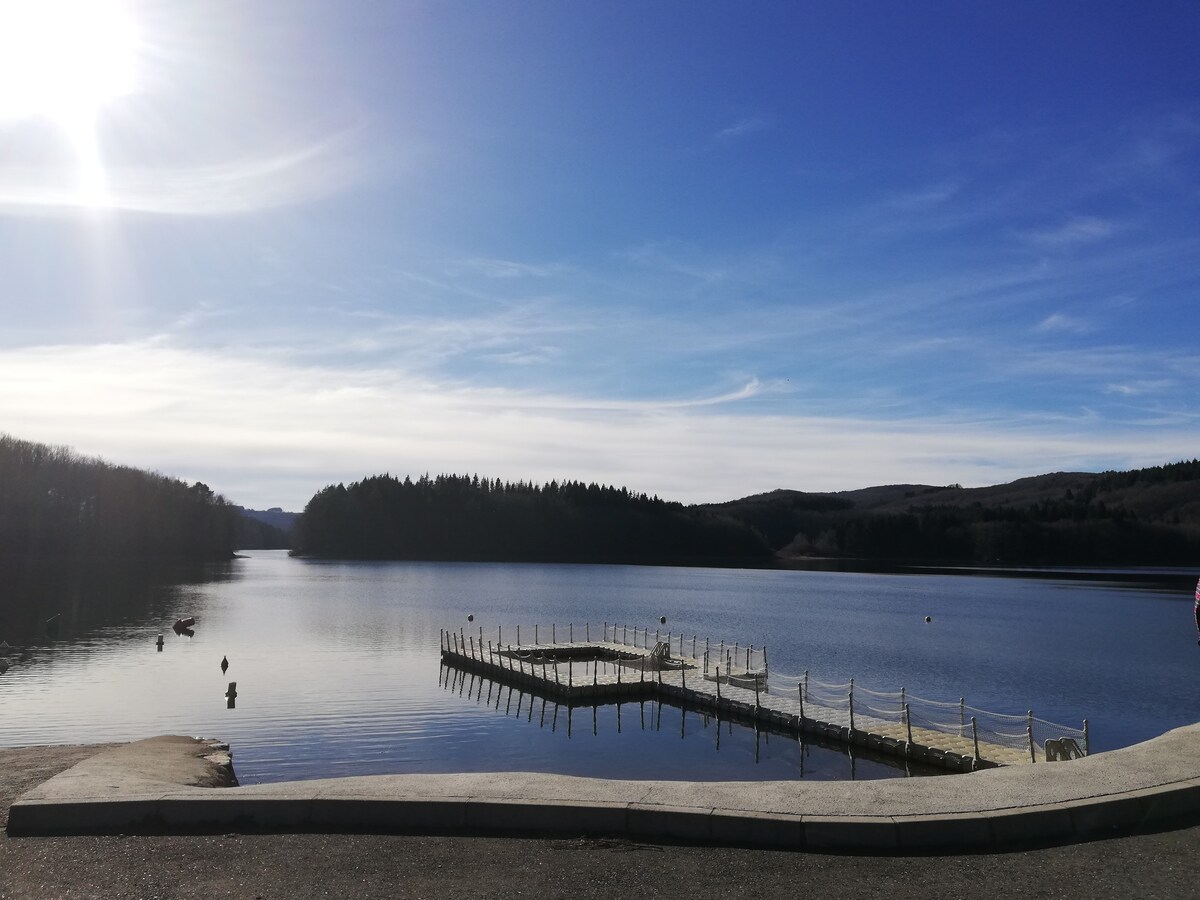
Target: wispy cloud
1077,230
271,433
742,128
296,173
1060,322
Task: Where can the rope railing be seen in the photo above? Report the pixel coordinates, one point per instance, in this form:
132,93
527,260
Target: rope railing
843,704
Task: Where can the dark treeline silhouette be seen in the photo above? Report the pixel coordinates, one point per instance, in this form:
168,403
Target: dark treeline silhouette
1141,517
459,517
59,508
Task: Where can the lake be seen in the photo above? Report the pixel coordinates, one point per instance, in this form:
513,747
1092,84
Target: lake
338,671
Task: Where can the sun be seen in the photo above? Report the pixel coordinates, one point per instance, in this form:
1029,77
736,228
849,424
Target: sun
63,60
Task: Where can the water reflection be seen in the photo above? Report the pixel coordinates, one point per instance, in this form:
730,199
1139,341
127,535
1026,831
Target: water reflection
782,753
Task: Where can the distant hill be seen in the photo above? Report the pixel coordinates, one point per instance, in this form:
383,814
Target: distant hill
1142,517
265,529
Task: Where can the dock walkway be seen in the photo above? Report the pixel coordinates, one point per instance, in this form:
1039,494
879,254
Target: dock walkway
735,682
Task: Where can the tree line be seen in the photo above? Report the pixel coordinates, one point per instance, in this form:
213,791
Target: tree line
460,517
59,507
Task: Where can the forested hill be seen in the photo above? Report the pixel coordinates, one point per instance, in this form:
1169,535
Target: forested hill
58,507
1142,517
457,517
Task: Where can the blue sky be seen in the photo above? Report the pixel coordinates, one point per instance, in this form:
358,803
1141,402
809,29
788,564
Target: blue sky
699,249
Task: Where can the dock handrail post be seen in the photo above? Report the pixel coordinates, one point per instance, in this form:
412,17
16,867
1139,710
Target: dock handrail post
902,702
491,657
800,691
472,640
570,672
624,634
706,662
962,715
587,632
571,632
481,636
1032,748
756,702
718,688
908,723
683,676
766,668
706,650
806,684
553,633
500,635
850,697
441,638
656,637
642,673
556,671
455,636
1086,738
975,739
694,636
749,650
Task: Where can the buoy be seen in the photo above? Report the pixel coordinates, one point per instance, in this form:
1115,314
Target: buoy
928,619
662,620
224,664
159,643
471,617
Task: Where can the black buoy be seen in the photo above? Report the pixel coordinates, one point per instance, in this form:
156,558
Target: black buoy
471,617
928,619
224,664
662,620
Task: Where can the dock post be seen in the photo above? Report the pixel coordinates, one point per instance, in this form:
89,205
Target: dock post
757,705
570,672
706,650
718,691
1086,738
806,684
962,716
642,672
749,650
908,726
1032,748
975,740
570,632
694,636
851,698
472,640
619,667
480,637
683,676
553,633
536,641
491,657
624,633
442,638
500,636
587,632
766,668
902,704
800,691
556,671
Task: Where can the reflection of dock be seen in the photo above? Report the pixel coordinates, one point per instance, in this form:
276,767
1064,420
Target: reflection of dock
735,683
645,713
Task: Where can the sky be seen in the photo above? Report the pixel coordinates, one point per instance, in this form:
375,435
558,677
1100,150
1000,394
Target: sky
698,249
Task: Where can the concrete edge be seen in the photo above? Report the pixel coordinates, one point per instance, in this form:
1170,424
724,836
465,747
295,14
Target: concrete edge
202,811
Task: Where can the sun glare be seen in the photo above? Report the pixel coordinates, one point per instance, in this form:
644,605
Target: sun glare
63,60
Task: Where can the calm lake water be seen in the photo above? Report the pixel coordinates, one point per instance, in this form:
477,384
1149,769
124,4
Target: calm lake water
338,672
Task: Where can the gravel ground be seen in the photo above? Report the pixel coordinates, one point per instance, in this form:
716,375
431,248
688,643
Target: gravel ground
359,866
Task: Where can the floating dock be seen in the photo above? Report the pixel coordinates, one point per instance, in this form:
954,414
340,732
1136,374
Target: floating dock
734,682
